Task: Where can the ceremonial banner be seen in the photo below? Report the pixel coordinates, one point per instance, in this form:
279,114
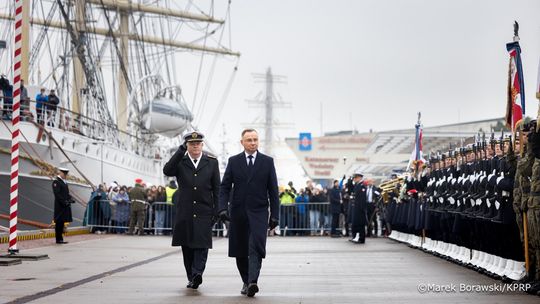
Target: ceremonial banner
417,157
515,106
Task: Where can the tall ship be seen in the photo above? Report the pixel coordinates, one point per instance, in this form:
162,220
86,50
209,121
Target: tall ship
114,65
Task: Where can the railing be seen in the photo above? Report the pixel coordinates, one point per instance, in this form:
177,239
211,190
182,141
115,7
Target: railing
295,219
54,116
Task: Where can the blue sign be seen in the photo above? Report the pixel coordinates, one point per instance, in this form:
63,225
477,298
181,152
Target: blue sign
304,142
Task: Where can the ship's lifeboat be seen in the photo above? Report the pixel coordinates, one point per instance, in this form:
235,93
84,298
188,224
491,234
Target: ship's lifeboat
166,117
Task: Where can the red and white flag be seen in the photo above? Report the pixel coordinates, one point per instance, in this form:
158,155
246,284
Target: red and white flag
515,107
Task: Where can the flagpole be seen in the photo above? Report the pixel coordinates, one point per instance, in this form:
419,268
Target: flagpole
514,129
417,145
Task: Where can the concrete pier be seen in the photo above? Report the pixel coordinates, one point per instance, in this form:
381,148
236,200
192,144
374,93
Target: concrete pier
131,269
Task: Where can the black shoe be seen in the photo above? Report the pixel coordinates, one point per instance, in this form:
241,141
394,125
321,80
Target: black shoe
244,289
61,242
252,289
196,281
534,289
189,284
507,280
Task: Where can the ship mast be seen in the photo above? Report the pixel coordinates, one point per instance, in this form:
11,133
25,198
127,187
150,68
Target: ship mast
80,30
25,43
122,102
79,78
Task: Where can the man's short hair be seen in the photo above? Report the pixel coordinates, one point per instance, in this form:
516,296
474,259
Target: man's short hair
248,130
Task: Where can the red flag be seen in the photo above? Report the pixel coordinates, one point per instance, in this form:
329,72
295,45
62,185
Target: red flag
515,106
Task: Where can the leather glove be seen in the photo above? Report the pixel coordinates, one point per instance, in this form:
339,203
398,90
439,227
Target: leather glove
223,216
272,223
183,147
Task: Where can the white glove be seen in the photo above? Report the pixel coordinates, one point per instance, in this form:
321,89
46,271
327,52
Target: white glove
499,179
488,203
478,202
497,205
441,200
451,200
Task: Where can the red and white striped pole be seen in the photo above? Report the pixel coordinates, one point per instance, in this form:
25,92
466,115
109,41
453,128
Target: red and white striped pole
14,191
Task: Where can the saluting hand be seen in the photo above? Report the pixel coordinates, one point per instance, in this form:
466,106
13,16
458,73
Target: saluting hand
183,147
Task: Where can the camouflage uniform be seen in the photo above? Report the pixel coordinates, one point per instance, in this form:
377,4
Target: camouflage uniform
521,195
533,213
138,208
533,220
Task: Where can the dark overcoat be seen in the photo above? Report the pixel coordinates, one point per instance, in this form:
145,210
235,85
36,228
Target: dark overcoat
62,201
196,201
253,195
359,218
335,201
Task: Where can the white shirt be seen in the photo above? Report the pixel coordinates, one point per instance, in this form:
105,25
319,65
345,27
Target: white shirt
254,157
63,180
369,194
195,161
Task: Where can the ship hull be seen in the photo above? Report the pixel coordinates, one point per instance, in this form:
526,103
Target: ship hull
36,200
97,162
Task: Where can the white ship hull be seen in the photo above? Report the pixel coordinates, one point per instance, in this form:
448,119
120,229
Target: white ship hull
36,200
109,164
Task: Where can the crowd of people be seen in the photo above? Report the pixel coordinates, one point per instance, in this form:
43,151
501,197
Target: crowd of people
117,208
315,209
311,210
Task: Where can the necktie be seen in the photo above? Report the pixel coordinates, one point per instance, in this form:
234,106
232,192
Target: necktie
250,163
195,161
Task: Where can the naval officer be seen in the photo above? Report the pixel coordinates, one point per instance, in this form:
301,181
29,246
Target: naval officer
197,175
62,204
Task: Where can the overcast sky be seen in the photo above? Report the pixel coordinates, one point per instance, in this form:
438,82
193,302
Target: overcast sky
380,60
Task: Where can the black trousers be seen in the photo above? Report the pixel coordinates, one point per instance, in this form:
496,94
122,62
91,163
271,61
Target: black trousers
250,267
194,260
359,225
335,224
59,230
372,218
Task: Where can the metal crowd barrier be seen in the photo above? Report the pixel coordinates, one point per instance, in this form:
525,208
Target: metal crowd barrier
295,219
307,219
113,217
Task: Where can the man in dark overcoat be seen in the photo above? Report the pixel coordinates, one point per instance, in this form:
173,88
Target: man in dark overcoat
62,204
252,177
197,175
359,216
